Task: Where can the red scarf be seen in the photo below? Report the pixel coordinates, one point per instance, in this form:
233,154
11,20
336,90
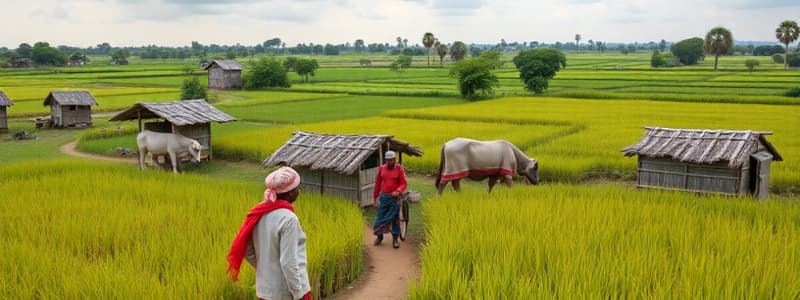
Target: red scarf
239,246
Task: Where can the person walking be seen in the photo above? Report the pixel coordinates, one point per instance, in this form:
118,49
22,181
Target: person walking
273,242
390,182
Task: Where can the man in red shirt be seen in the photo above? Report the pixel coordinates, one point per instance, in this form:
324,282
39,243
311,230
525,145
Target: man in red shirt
390,182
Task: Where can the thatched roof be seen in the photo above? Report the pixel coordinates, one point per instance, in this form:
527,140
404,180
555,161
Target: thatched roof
701,146
4,101
226,64
339,153
70,98
180,113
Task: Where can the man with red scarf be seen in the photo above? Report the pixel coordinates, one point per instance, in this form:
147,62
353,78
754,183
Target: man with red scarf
390,182
273,242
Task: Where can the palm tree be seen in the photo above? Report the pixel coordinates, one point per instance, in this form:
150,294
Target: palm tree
457,51
718,41
405,43
441,49
427,41
399,42
787,32
578,41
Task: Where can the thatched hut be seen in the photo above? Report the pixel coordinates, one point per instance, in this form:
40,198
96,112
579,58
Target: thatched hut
190,118
224,74
70,108
4,102
338,165
705,161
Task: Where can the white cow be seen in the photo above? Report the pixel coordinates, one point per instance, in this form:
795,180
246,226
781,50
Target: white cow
158,143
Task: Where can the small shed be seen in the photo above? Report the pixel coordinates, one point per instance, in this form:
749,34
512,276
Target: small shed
190,118
4,102
22,63
338,165
705,161
70,108
224,74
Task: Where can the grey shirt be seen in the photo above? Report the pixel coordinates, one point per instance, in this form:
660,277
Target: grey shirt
278,252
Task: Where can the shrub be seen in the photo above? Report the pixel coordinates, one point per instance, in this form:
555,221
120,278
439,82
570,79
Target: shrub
537,66
793,92
657,61
267,72
475,77
192,89
751,64
777,58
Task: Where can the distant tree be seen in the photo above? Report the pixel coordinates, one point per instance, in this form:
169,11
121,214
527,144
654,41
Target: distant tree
428,40
399,42
400,64
24,50
475,77
457,51
364,62
305,67
751,64
601,46
578,41
492,57
230,55
688,51
267,72
657,61
766,50
43,54
787,32
76,56
289,63
318,49
331,49
441,50
537,66
778,59
591,45
192,89
475,51
359,45
718,41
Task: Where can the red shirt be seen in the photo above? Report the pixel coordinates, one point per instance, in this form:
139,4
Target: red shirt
390,180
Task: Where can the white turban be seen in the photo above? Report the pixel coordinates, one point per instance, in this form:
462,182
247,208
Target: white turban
280,181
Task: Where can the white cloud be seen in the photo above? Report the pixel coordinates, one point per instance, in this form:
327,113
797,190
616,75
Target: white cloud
177,22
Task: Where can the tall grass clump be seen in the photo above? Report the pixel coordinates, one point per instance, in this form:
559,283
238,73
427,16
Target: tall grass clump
600,242
87,230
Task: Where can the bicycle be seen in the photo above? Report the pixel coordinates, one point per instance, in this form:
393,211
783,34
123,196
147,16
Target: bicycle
403,216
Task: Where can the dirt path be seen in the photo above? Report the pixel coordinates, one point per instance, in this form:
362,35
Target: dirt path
387,271
69,149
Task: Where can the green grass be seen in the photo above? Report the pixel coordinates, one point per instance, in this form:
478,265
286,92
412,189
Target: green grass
574,242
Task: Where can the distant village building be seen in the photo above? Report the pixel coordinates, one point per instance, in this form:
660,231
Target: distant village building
70,108
119,62
224,74
4,102
338,165
705,161
21,63
190,118
75,63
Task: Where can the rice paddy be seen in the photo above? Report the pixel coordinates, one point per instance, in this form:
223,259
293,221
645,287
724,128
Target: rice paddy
74,228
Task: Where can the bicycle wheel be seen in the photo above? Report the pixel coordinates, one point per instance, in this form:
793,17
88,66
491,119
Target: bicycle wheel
403,220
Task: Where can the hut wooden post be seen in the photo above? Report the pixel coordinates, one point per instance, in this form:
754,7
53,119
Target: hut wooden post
139,117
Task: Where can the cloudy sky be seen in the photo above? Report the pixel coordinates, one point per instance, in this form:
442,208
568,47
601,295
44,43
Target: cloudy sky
178,22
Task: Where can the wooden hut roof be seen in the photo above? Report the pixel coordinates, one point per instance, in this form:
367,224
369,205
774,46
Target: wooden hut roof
226,64
701,146
180,113
70,98
336,152
4,101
